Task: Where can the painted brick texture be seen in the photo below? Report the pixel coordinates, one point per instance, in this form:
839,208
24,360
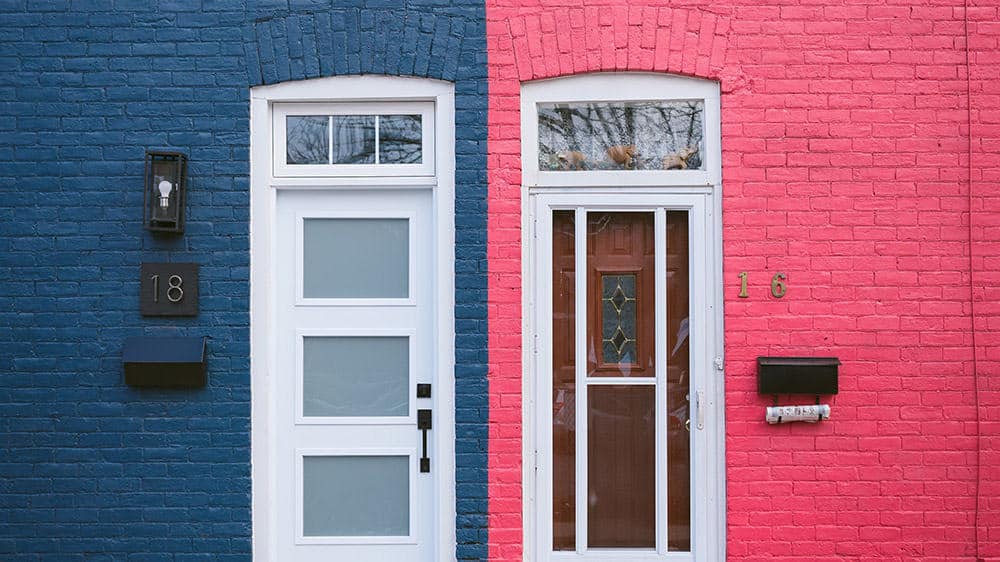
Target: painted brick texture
91,469
846,164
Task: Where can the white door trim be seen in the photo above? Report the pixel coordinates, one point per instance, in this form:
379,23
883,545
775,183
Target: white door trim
263,248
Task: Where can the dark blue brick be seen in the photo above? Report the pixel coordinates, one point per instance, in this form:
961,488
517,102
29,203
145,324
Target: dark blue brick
125,474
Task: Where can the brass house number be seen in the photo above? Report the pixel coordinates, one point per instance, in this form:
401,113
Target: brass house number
168,289
778,285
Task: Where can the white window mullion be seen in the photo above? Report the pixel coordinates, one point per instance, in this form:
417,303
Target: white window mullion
660,359
377,143
329,139
580,361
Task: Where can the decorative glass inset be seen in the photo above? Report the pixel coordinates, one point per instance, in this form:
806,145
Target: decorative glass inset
651,135
400,139
618,318
355,496
353,139
307,139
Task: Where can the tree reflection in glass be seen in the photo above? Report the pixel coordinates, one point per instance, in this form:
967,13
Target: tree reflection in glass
353,139
654,135
308,141
400,139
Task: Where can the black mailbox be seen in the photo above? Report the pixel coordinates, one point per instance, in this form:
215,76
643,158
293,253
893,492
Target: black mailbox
797,375
165,361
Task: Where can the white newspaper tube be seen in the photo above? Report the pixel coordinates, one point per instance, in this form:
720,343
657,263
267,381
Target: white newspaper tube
809,413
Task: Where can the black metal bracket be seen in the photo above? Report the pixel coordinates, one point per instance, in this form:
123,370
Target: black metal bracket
424,424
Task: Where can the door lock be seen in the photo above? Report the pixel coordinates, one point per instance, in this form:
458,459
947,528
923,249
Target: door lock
424,424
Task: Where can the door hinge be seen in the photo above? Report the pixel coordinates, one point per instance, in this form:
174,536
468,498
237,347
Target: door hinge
534,344
719,364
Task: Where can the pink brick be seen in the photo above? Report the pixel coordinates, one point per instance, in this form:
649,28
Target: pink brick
845,138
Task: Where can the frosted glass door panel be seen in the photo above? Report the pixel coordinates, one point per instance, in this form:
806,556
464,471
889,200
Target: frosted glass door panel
356,496
356,258
355,376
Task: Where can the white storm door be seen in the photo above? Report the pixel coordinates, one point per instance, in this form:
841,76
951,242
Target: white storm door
627,423
354,331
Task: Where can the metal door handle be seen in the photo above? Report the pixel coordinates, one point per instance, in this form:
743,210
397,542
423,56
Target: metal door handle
700,406
424,424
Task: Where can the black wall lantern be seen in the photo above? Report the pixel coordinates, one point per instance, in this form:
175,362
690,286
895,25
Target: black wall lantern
163,197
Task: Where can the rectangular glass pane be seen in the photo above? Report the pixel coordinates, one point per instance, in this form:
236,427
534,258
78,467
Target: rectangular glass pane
621,465
355,376
356,496
400,139
563,381
353,139
650,135
678,375
356,258
307,139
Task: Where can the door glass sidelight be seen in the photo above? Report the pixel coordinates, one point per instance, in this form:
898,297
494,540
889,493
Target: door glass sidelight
620,381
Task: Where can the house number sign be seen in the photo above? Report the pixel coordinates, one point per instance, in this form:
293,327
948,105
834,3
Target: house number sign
778,285
168,289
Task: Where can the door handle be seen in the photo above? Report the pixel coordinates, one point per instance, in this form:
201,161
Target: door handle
699,403
424,425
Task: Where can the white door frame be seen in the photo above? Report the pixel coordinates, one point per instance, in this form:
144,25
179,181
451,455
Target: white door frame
263,247
611,190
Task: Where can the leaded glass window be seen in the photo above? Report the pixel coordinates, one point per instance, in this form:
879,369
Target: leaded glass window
618,322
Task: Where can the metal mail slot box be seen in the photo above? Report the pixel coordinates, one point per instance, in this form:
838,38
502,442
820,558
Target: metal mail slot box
797,375
165,361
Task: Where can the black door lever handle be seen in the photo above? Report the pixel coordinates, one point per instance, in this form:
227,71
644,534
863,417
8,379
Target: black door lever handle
424,424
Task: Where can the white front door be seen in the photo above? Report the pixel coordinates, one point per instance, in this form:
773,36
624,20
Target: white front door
627,396
354,370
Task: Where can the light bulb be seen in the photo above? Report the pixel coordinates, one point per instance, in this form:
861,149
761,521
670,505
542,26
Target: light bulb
165,187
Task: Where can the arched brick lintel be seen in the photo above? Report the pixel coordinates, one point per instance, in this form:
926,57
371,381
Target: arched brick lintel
298,46
566,41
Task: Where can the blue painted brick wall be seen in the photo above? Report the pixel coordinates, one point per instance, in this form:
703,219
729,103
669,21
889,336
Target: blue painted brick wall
91,469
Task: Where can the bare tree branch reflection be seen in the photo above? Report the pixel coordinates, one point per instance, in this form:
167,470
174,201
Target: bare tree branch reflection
657,132
307,140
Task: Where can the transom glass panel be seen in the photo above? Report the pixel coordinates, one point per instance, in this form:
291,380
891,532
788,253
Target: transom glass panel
353,139
647,135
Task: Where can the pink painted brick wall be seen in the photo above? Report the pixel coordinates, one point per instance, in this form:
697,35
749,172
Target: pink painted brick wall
846,164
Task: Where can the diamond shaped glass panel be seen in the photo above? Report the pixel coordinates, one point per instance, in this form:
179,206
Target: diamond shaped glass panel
618,326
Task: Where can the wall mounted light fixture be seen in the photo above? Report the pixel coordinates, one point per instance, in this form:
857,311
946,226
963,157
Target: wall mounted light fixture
164,192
